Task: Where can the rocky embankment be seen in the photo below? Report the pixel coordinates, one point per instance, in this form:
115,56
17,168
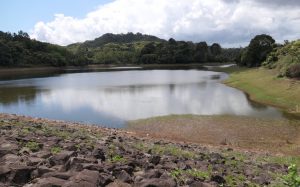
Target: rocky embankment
37,152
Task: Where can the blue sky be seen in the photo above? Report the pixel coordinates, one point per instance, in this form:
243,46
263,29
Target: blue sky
232,23
18,15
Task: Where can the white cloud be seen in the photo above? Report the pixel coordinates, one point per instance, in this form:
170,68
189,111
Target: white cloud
229,22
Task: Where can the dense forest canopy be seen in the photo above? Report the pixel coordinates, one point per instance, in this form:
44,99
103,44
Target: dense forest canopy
146,49
18,50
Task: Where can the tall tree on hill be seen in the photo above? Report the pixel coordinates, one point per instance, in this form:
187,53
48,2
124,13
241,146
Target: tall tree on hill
260,46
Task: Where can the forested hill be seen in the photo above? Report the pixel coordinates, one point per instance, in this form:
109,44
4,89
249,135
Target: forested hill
18,50
146,49
118,38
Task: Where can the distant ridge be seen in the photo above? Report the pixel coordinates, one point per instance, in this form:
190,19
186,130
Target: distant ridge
118,38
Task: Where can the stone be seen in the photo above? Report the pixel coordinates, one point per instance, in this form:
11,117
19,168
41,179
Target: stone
56,174
156,183
154,160
85,178
153,173
48,182
105,179
126,168
76,163
98,153
33,161
61,158
95,167
8,147
218,179
21,174
41,170
118,184
123,176
200,184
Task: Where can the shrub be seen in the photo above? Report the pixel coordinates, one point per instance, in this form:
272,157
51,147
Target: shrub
293,71
292,179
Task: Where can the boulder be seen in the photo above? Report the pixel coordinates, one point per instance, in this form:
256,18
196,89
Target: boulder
218,179
123,176
154,159
118,184
156,183
98,153
8,147
61,158
47,182
85,178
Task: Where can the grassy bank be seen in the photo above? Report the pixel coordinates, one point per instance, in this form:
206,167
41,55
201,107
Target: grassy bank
263,86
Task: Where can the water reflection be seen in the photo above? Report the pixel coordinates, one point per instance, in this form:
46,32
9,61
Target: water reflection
111,98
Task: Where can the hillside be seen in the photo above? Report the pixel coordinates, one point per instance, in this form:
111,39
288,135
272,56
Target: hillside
285,59
146,49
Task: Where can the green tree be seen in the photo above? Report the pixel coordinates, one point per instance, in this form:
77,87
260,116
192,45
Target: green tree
260,46
201,54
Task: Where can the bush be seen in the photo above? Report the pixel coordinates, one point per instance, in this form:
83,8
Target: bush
292,179
293,71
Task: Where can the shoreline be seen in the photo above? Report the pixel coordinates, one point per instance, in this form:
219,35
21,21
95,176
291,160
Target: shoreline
37,152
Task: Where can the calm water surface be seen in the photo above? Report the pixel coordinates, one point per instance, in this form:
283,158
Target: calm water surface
112,98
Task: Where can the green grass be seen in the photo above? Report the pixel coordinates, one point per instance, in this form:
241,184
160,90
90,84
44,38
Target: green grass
33,146
263,86
55,150
118,158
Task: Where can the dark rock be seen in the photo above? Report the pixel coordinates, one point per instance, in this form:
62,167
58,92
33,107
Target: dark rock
61,158
218,179
48,182
200,184
33,161
21,174
154,160
105,179
123,176
118,184
95,167
41,170
8,147
126,168
98,153
56,174
84,178
41,154
153,173
216,158
156,183
10,159
4,173
76,163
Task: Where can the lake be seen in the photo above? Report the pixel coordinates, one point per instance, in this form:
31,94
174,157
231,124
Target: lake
111,98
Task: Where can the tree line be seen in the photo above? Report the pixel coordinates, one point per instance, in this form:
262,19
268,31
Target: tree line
18,50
